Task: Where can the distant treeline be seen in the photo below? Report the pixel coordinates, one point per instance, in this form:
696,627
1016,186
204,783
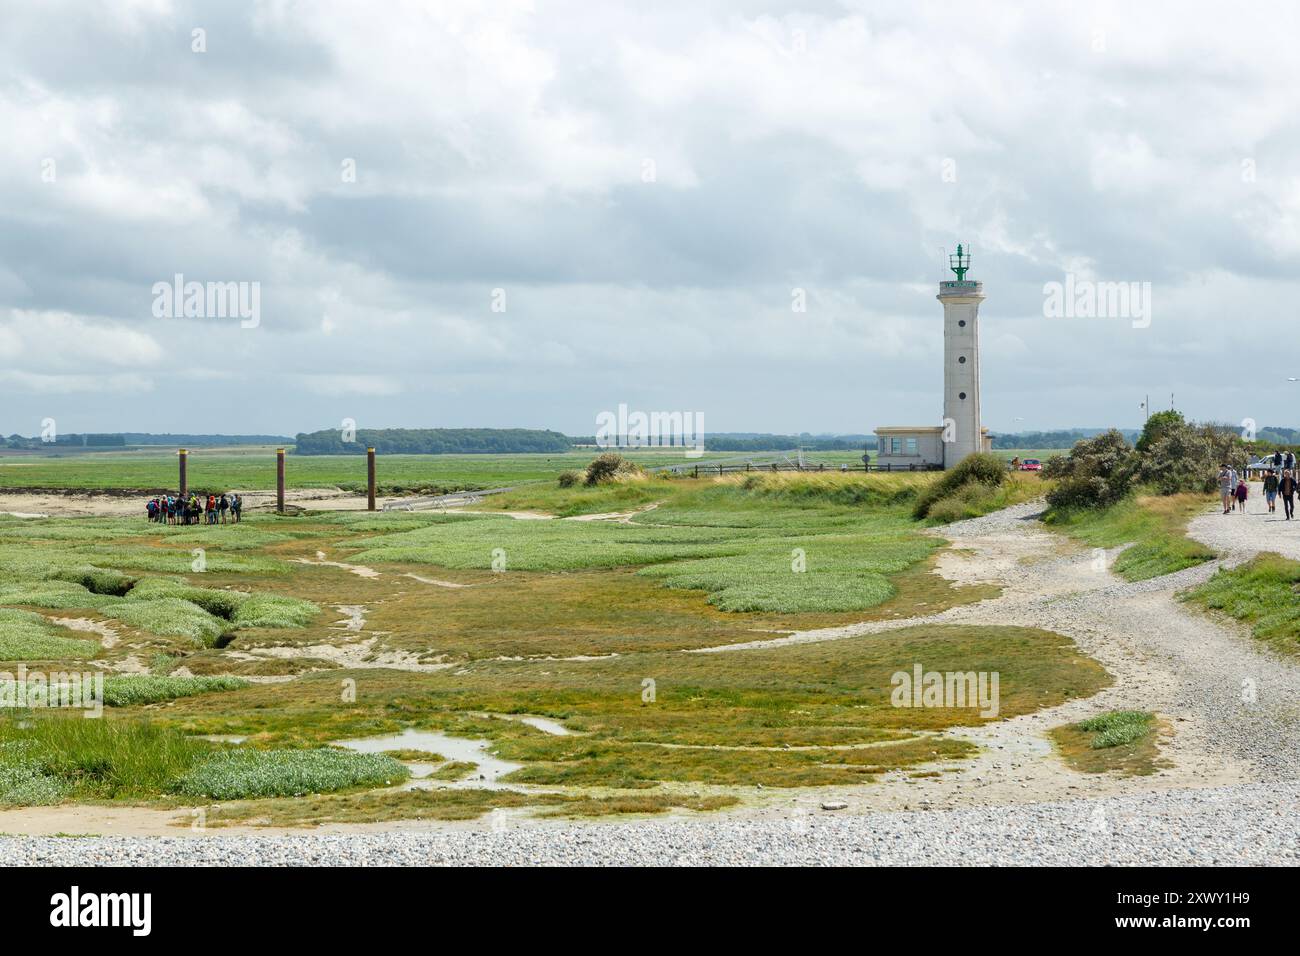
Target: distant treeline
1282,437
1058,439
199,441
85,440
69,440
432,441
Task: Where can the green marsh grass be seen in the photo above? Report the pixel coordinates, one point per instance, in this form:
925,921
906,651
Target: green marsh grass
1154,525
1263,593
241,774
27,636
1120,741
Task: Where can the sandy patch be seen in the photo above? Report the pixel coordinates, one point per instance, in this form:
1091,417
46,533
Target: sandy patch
359,570
437,583
107,634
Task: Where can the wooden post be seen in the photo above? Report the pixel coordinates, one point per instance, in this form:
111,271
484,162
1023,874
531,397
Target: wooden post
370,479
279,480
697,471
184,456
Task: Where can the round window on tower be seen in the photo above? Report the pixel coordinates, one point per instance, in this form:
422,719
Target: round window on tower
961,360
962,396
961,323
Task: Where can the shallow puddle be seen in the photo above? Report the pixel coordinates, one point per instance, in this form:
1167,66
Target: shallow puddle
489,767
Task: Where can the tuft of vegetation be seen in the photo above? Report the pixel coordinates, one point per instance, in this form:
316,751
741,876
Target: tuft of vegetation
1261,593
570,478
1117,727
240,774
1124,741
127,689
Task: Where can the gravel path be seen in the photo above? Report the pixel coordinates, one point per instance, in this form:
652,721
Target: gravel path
1238,535
1251,825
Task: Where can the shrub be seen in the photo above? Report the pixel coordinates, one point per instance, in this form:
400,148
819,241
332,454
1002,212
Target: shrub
237,774
570,478
611,466
981,468
1097,472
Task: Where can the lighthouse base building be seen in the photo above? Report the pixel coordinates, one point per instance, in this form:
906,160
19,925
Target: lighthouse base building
959,433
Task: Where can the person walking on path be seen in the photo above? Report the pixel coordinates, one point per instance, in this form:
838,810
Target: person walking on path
1242,492
1270,490
1289,462
1227,486
1287,489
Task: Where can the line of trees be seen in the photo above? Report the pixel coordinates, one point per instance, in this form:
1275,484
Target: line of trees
1063,438
69,440
432,441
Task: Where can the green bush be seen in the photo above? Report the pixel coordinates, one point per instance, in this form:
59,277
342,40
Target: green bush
981,469
610,467
570,478
238,774
1097,472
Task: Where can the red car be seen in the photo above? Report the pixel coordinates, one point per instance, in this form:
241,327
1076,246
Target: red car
1031,464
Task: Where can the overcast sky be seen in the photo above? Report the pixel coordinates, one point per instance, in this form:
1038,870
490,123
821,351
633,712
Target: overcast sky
647,184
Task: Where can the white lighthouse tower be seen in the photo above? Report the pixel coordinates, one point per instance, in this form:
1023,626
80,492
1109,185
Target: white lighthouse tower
962,433
924,447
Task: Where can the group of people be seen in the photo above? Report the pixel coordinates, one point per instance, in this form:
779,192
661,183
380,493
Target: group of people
1281,480
195,509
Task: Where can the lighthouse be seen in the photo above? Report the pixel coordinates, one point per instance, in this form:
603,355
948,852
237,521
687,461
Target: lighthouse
923,447
961,298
